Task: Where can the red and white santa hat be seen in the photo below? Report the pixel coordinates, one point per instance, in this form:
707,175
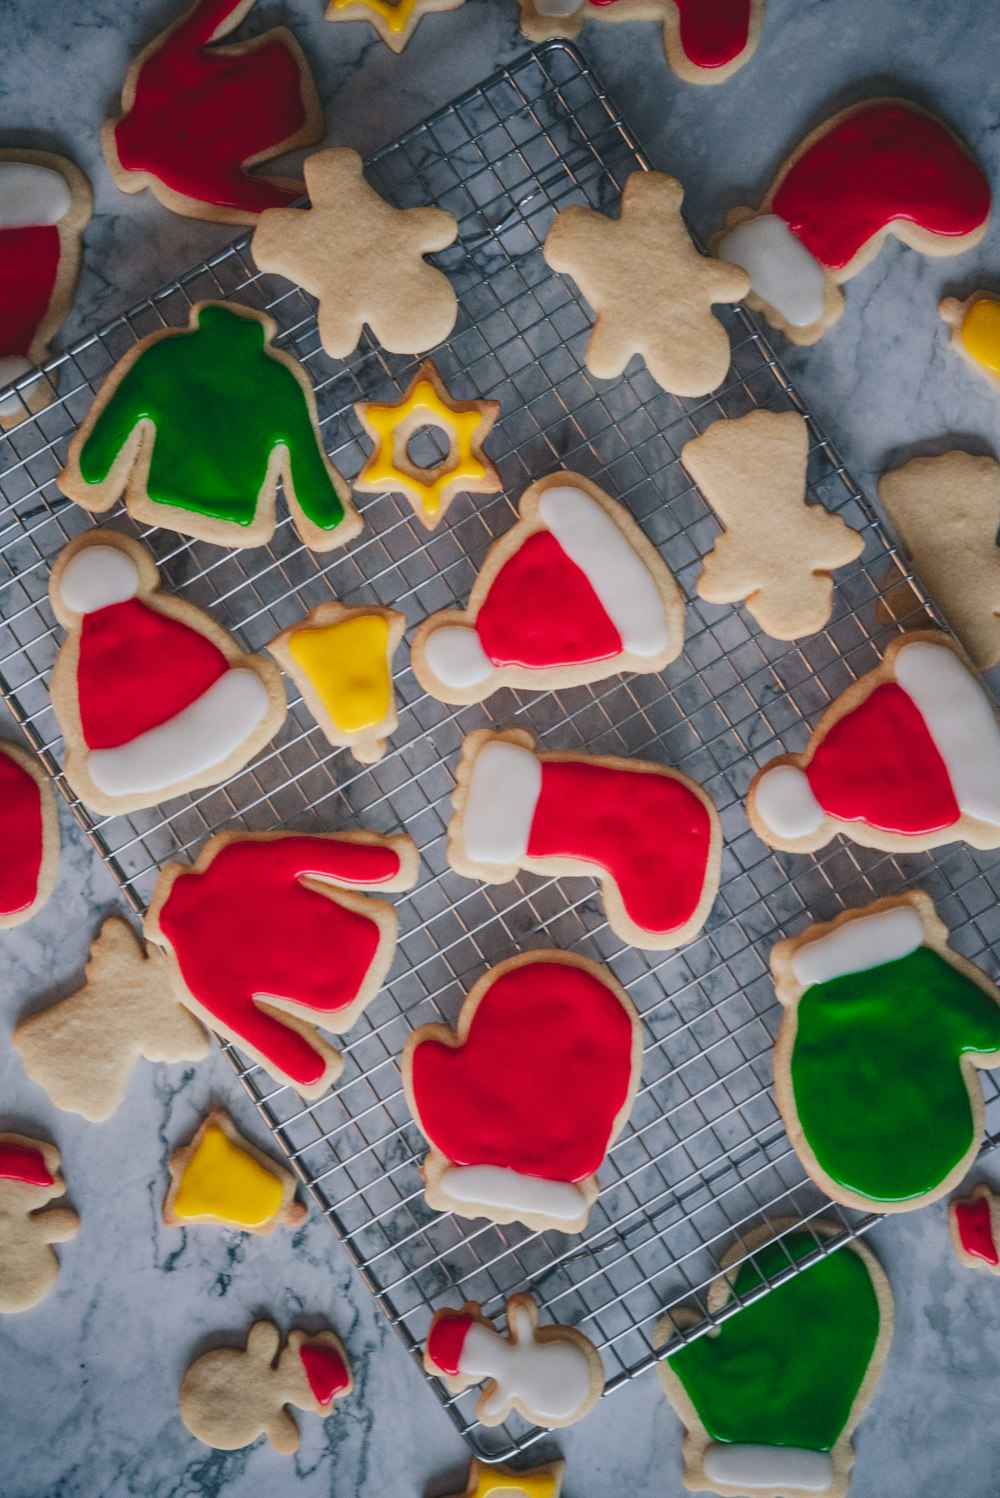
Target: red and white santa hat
31,197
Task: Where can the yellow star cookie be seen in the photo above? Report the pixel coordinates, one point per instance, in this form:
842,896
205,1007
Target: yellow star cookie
501,1482
651,289
222,1178
975,331
394,20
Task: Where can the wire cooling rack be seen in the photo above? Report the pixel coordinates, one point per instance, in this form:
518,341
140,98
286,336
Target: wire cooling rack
705,1155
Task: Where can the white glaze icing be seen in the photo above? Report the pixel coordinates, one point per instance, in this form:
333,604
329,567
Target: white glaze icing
96,577
496,1186
784,801
31,195
783,1467
503,792
550,1379
961,722
782,271
865,942
456,657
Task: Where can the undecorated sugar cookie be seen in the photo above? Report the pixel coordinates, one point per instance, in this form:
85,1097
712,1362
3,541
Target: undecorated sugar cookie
29,836
770,1400
523,1099
394,20
552,1375
975,331
974,1225
29,1180
222,1178
883,1031
503,1482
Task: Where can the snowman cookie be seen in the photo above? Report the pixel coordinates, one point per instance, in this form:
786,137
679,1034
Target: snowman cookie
974,1225
29,1181
223,1179
573,593
875,1065
521,1139
908,757
770,1400
29,836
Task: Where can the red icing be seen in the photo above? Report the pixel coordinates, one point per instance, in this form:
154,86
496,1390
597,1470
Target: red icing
886,162
246,926
139,668
975,1233
878,764
325,1369
18,1162
542,611
544,1071
713,32
449,1330
651,833
30,260
21,836
199,114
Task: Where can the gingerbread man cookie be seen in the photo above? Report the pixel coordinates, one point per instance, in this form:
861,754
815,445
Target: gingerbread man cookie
29,1180
29,836
222,1178
974,1225
975,331
378,275
650,288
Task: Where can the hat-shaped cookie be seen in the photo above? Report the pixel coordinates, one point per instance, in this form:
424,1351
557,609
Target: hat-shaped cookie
908,757
523,1101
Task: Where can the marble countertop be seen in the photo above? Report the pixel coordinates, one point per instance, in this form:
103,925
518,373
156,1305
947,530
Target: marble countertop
88,1380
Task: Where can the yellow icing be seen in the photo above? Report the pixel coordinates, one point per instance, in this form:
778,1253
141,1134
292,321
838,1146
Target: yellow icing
981,333
423,401
517,1484
348,665
395,13
223,1182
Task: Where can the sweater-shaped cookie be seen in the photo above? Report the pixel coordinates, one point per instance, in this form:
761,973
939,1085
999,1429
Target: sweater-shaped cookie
222,1179
552,1375
572,593
769,1401
29,836
883,1031
265,939
152,696
974,1225
880,167
649,834
908,757
197,116
523,1100
29,1180
232,1395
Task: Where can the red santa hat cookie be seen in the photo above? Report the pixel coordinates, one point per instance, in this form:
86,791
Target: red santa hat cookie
153,697
907,758
573,593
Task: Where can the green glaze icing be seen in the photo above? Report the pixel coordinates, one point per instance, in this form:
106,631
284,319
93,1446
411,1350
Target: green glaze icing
785,1370
221,403
875,1069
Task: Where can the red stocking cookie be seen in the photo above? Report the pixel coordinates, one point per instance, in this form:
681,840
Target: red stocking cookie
572,593
523,1100
264,931
29,836
974,1224
29,1180
648,833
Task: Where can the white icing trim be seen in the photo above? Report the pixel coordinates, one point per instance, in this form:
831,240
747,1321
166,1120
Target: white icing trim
503,792
456,657
865,942
12,367
496,1186
96,577
202,736
31,196
745,1466
961,722
550,1379
784,801
627,592
782,271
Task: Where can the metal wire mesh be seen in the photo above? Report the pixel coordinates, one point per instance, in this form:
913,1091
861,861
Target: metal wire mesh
705,1155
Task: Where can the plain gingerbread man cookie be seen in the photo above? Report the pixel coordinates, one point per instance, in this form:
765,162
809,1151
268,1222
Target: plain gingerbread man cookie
29,1180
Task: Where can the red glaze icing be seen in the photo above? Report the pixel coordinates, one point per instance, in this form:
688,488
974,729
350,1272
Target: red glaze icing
449,1330
325,1369
541,611
536,1087
198,114
138,668
975,1233
879,765
30,260
247,926
713,32
650,833
21,836
885,163
20,1163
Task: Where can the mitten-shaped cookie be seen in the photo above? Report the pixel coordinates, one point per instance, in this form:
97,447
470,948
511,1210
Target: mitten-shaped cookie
879,167
649,834
29,836
264,931
29,1180
907,757
974,1224
875,1062
523,1100
222,1178
231,1395
770,1399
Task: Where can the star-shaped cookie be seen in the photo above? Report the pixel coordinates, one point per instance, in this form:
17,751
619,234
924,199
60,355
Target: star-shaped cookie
394,20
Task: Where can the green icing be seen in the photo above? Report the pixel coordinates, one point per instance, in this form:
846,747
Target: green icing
875,1069
221,403
785,1370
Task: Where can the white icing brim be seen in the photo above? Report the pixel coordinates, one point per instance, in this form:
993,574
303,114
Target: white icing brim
12,367
784,802
202,736
768,1467
503,792
31,196
627,593
961,722
96,577
860,944
456,657
782,271
494,1186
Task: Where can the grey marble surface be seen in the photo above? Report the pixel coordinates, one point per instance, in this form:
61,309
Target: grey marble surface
88,1380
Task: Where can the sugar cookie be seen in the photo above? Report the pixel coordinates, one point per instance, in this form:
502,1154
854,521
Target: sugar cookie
974,1225
29,1180
222,1178
394,20
29,835
503,1482
975,331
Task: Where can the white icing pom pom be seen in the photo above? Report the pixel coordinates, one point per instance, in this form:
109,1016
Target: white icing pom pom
96,577
784,801
456,657
782,271
31,195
